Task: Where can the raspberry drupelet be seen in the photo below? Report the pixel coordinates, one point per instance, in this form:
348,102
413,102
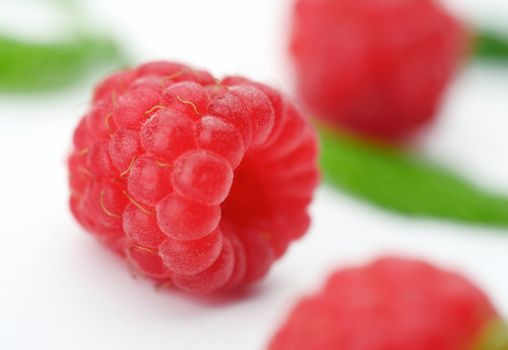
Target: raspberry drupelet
377,69
200,184
394,304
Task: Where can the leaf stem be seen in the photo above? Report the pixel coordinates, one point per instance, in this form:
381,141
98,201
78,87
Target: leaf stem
495,337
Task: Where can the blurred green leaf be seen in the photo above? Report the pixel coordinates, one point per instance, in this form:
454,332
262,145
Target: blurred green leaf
491,45
30,66
403,183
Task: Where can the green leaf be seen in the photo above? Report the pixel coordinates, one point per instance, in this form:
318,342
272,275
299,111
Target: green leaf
29,66
403,183
491,45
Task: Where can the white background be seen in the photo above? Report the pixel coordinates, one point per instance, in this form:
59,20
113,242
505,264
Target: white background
60,290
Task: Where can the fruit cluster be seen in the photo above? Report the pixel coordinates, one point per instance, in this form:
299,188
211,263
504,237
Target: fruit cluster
201,184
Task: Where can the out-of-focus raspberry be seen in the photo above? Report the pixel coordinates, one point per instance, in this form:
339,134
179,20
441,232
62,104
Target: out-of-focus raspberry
375,68
393,304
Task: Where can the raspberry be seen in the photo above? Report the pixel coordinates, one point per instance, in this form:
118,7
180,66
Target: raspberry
392,304
199,184
375,68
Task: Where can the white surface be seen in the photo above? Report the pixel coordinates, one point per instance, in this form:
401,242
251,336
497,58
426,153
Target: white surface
60,290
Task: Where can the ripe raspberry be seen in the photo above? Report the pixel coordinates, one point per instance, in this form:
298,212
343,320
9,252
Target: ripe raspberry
200,184
375,68
392,304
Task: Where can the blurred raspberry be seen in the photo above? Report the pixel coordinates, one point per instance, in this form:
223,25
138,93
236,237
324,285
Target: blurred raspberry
375,68
391,304
200,184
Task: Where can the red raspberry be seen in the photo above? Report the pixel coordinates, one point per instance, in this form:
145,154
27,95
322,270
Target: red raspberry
200,184
375,68
392,304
